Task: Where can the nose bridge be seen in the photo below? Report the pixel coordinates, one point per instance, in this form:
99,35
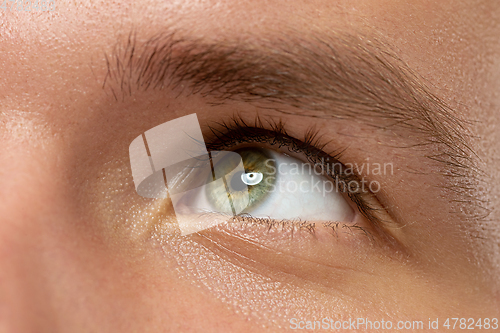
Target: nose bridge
28,195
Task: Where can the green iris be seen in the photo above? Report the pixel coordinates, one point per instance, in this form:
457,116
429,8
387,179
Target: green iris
259,178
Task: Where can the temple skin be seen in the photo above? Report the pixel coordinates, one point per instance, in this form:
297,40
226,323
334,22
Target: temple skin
80,251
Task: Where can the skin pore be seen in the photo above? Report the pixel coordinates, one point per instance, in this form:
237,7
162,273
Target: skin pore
80,251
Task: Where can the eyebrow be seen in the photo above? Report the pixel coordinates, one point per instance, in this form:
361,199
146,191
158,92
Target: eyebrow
335,75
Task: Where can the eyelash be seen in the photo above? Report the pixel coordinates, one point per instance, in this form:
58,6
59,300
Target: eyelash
236,131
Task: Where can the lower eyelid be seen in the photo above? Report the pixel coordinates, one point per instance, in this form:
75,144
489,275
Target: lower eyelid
269,230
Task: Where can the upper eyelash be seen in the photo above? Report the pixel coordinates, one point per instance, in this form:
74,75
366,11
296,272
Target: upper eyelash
227,134
236,129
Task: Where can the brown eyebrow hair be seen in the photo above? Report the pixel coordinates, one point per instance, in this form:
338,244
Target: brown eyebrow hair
335,75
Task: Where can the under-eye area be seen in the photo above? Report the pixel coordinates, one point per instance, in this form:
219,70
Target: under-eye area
295,251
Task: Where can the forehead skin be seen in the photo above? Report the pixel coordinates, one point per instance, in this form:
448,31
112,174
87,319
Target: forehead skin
51,71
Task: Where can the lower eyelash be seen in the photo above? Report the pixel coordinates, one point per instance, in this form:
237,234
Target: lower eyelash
293,226
284,225
298,225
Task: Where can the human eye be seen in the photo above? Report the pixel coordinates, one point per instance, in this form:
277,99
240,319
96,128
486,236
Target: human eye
275,186
283,181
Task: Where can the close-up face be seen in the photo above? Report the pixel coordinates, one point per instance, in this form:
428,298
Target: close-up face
313,166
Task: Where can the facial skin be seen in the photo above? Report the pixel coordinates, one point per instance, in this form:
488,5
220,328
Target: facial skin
80,251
